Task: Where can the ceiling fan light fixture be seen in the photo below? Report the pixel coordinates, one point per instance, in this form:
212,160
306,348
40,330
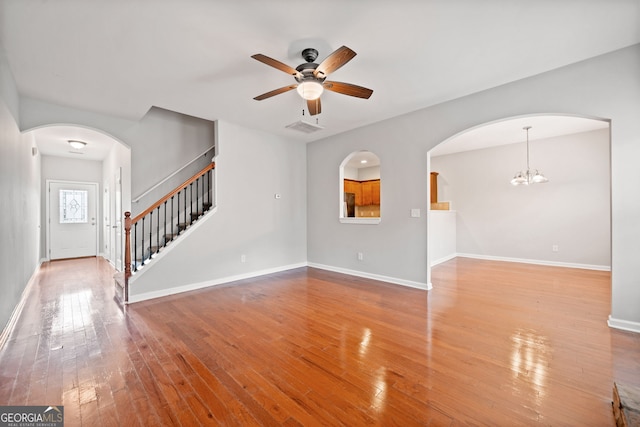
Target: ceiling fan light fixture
78,145
310,90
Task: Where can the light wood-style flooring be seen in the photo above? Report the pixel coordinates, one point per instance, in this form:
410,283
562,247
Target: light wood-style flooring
494,343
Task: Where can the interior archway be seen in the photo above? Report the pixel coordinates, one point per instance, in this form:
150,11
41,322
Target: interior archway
61,161
553,224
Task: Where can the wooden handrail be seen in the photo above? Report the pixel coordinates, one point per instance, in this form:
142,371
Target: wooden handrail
175,191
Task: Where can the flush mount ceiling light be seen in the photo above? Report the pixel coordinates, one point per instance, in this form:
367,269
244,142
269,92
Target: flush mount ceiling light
78,145
528,176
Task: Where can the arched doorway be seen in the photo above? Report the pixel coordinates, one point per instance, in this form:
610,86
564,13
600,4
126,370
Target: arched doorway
566,222
74,154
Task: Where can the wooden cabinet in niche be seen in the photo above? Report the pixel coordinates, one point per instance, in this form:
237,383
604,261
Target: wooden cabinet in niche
351,186
367,193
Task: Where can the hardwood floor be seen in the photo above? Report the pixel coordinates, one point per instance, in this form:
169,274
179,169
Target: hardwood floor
492,344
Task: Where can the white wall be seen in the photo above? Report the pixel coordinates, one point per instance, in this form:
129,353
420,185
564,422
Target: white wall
496,219
442,236
119,157
603,87
250,169
19,192
372,172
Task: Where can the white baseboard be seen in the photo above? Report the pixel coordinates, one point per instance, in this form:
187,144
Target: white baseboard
195,286
133,298
625,325
538,262
394,280
15,315
443,259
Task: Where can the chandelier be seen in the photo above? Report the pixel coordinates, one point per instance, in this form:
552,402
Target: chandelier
529,176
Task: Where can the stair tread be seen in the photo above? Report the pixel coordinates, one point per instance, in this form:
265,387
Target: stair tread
626,405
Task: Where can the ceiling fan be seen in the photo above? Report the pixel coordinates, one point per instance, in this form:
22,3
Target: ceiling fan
310,77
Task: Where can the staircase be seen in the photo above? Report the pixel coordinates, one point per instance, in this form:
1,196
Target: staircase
162,223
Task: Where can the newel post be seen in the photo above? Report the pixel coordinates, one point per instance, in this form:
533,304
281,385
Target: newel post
127,246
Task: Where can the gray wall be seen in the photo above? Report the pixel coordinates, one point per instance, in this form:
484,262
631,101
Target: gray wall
603,87
250,169
20,195
497,219
161,142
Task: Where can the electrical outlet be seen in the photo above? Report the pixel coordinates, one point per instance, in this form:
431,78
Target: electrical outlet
360,256
243,258
555,248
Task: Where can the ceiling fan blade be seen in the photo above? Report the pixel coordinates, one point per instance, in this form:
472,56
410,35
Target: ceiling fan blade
275,92
348,89
337,59
314,107
276,64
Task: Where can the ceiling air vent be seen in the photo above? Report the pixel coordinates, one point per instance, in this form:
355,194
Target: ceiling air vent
305,127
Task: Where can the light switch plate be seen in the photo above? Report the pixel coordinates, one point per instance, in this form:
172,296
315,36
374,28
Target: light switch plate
415,213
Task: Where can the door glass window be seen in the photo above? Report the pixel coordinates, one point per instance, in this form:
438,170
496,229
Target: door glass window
73,206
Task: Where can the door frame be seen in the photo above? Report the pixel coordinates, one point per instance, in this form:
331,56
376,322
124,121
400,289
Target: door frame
117,221
106,215
48,213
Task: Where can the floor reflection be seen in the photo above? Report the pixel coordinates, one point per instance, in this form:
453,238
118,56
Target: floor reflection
379,397
364,343
530,356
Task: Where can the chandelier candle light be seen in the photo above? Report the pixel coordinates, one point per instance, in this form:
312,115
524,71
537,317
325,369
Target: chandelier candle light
529,176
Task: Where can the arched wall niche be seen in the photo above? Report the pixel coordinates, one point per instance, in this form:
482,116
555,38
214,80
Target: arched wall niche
360,188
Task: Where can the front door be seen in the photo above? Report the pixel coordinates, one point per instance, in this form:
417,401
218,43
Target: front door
73,231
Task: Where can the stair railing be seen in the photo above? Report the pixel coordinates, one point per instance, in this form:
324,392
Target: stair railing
154,228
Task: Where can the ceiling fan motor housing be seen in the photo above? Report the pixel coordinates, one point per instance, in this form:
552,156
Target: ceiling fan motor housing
310,54
306,71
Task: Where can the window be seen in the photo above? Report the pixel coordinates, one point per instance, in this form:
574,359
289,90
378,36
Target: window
73,206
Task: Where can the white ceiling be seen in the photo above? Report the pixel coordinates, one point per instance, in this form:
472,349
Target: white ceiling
194,56
363,159
54,141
